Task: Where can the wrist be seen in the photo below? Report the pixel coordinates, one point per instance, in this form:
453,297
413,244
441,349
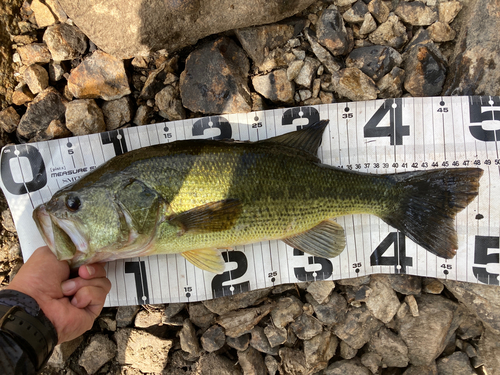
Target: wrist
22,318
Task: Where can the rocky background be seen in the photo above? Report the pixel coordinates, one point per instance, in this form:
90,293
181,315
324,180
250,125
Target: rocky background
74,67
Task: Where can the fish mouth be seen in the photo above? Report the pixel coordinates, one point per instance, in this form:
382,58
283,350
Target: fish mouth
62,236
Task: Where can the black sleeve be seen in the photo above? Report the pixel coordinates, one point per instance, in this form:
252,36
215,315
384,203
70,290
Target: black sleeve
27,337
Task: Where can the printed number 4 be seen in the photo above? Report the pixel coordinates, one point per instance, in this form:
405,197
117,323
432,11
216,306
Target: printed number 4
395,130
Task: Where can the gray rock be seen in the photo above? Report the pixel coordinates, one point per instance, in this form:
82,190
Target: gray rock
99,76
332,33
488,351
306,74
356,14
200,315
416,13
425,71
125,315
143,115
353,84
260,342
149,317
346,351
271,364
159,25
422,370
257,40
470,327
477,53
63,351
47,106
293,361
117,113
347,367
275,335
239,343
275,86
355,281
391,85
107,323
35,53
83,116
405,284
214,364
319,350
65,42
320,290
47,12
371,361
169,104
390,33
293,69
456,364
321,53
412,305
251,362
368,25
482,300
8,224
99,351
156,79
36,77
9,119
56,71
189,341
358,327
448,11
441,32
432,286
379,10
306,326
22,95
240,322
390,348
286,310
213,339
374,61
427,334
223,305
215,79
172,309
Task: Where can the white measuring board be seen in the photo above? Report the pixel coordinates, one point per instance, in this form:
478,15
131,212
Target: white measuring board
381,136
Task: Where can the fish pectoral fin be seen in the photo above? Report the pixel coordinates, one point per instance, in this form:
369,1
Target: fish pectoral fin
326,240
207,259
210,217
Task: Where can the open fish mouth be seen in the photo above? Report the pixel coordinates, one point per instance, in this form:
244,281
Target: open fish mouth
62,236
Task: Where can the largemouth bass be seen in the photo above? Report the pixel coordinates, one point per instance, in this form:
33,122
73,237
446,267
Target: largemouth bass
195,197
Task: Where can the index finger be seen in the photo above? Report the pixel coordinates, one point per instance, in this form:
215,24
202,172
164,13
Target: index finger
92,271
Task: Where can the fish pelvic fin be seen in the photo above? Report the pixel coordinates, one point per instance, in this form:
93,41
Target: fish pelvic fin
429,202
210,217
306,139
207,259
326,240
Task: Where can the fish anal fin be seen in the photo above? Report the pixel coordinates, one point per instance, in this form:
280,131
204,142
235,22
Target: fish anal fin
207,259
210,217
326,240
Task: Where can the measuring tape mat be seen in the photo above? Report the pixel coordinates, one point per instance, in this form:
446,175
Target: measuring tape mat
381,136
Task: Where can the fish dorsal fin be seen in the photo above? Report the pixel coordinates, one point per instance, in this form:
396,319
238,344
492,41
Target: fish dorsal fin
326,240
207,259
307,139
210,217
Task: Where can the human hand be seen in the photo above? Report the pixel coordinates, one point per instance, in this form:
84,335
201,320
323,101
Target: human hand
70,304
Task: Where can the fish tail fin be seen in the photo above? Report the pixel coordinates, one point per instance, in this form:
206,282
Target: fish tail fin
428,204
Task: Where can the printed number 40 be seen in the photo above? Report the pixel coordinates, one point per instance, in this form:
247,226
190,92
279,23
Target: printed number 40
395,130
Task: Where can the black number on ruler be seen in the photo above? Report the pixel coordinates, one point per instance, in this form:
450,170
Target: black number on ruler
481,256
292,114
324,273
217,122
35,161
141,281
476,105
395,130
220,290
400,261
117,138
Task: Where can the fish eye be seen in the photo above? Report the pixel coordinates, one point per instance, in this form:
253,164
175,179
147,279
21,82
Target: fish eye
73,203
